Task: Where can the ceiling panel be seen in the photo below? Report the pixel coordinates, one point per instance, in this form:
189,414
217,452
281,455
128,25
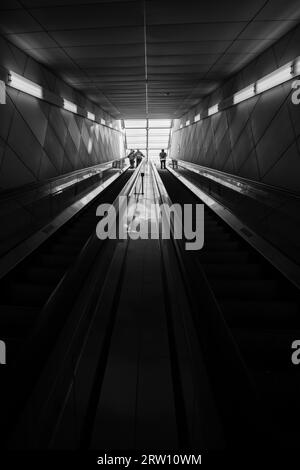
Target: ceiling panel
9,5
33,40
99,36
90,16
276,11
42,3
272,30
193,48
99,46
112,64
18,21
176,12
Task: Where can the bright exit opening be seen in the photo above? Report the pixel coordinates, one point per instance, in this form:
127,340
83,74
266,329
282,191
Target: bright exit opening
148,135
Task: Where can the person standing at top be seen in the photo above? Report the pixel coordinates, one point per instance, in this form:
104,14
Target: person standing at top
139,157
131,157
163,157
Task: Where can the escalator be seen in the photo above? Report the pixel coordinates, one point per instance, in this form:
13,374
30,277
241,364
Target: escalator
261,311
139,381
27,290
223,318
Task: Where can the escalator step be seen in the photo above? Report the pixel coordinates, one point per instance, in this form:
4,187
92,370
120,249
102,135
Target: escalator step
51,260
44,275
246,289
222,244
215,236
241,271
72,238
79,232
215,230
266,349
214,257
279,314
281,391
71,248
30,294
14,315
212,224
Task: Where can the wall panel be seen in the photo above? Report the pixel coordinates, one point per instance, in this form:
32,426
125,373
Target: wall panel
41,141
256,139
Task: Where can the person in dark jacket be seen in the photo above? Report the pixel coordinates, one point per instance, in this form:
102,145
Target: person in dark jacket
163,157
131,157
139,157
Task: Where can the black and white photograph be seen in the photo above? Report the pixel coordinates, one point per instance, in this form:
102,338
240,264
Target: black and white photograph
149,233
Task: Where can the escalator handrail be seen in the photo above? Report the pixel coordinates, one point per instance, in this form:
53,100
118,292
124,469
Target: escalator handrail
52,183
248,184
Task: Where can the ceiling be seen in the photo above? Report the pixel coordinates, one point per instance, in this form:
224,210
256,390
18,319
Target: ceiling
151,58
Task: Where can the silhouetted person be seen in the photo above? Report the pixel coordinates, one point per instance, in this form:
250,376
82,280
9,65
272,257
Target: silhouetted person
131,157
163,157
139,157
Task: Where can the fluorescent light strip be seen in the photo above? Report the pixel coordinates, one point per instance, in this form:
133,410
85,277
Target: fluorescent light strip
213,110
297,66
27,86
91,116
69,106
2,92
23,84
279,76
244,94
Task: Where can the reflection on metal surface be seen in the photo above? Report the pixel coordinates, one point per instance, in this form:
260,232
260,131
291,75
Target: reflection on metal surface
22,250
285,265
256,190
